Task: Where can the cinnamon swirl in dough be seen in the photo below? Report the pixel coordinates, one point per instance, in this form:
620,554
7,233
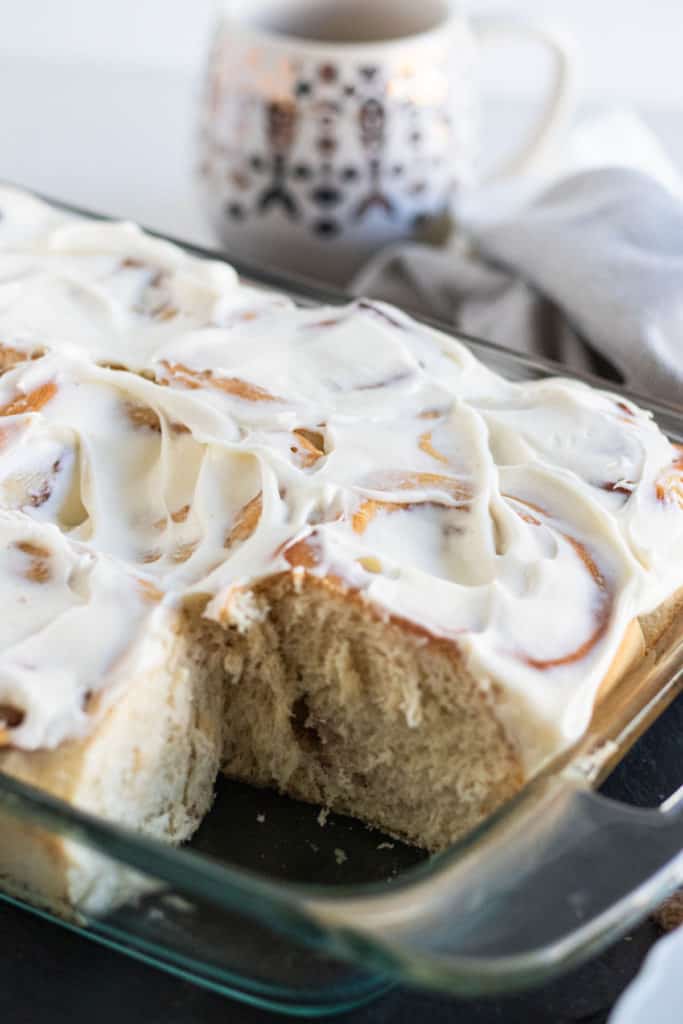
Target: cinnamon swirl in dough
324,550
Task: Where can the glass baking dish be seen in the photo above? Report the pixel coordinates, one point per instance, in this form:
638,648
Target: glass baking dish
284,908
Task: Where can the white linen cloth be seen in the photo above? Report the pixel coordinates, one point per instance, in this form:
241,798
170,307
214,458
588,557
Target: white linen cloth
656,994
589,272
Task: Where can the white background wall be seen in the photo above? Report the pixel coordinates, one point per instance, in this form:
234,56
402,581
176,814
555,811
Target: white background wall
632,48
98,98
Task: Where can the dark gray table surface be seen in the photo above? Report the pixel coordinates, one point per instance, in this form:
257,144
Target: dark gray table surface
51,976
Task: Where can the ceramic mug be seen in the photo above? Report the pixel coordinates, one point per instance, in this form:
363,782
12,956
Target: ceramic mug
330,128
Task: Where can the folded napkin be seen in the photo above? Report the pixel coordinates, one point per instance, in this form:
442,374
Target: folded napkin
590,274
657,991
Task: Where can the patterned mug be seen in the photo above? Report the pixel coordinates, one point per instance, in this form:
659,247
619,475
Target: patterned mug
330,128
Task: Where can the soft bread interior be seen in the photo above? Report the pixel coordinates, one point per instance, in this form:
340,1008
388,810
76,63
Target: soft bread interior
335,705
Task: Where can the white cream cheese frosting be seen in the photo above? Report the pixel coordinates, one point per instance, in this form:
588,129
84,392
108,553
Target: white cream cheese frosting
165,430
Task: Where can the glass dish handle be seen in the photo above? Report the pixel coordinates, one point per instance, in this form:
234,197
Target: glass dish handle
550,880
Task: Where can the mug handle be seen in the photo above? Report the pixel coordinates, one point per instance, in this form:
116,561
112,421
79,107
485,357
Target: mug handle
561,102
